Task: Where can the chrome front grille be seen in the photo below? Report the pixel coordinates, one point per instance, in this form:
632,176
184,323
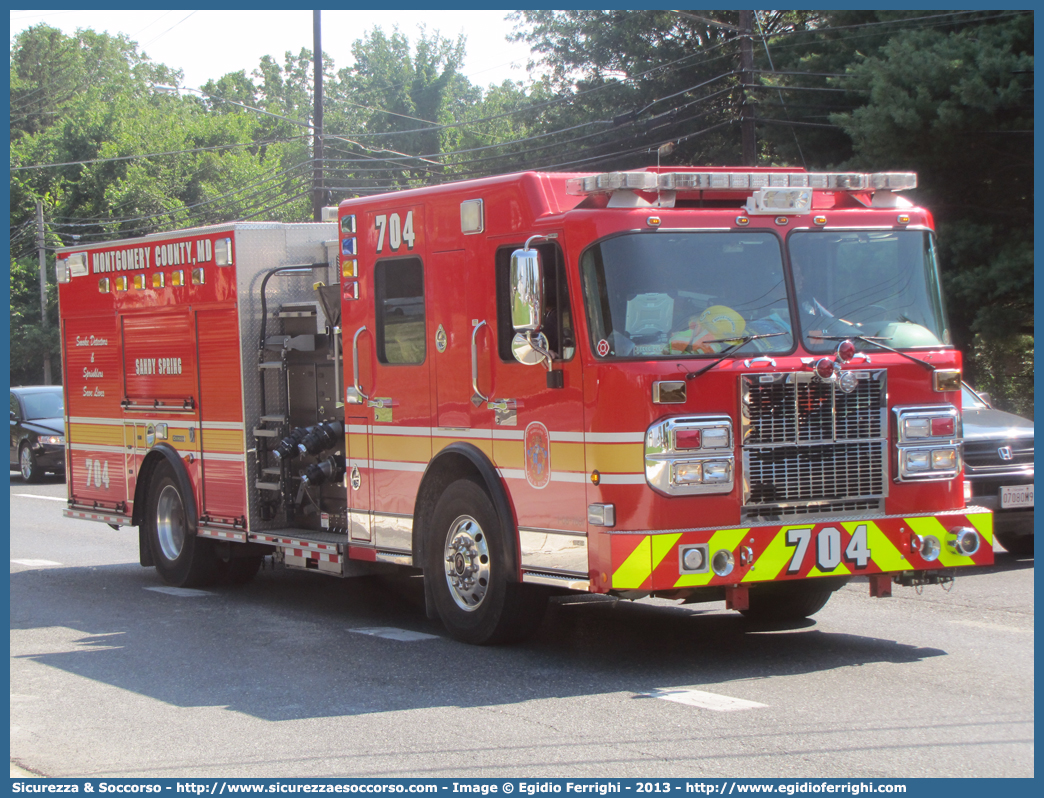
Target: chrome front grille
809,448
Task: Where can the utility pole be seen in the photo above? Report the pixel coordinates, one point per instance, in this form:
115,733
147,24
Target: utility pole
747,131
41,248
317,119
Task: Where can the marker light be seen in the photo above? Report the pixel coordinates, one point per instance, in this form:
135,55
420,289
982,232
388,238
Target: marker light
824,368
845,351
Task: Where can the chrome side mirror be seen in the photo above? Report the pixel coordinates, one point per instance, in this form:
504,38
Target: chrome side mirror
529,349
527,290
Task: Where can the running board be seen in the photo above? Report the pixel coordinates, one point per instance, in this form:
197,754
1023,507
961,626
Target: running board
91,514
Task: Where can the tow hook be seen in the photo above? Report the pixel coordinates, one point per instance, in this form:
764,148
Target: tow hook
922,578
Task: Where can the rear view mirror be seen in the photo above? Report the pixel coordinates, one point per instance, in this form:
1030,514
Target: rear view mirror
527,291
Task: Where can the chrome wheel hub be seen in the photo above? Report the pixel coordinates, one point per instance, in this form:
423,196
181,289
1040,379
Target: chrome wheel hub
467,563
26,462
170,522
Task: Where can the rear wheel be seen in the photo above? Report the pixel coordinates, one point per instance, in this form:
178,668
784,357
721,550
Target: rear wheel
31,471
781,602
467,561
1019,545
182,559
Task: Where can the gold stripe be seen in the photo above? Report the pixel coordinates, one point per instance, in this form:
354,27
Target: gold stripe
401,448
221,440
357,446
485,445
615,457
95,433
568,457
509,454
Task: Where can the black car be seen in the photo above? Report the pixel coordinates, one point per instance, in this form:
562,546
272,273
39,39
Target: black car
998,469
37,431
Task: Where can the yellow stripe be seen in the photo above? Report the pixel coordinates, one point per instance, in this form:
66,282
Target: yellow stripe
228,441
509,454
882,550
933,526
636,568
96,433
983,523
616,457
662,545
402,448
357,448
776,557
568,457
722,539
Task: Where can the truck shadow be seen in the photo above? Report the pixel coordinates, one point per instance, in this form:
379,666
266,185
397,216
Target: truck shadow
282,647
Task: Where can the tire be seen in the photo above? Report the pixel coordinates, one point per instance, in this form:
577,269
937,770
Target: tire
467,560
784,602
1019,545
181,558
31,471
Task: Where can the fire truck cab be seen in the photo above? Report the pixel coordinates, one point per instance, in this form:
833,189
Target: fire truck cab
698,384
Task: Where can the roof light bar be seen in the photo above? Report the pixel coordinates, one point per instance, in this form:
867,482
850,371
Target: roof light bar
745,181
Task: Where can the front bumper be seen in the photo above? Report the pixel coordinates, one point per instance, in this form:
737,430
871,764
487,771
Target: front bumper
655,561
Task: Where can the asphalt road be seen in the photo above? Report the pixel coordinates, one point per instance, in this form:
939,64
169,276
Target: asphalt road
111,677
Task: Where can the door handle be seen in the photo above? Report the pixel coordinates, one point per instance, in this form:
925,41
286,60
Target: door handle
474,364
355,362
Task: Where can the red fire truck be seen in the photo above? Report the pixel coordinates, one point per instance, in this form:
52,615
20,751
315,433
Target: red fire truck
696,384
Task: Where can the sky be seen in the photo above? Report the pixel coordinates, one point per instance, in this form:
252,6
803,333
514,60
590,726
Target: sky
208,44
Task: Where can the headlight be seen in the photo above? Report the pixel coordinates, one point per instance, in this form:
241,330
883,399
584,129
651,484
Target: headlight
54,440
688,455
928,442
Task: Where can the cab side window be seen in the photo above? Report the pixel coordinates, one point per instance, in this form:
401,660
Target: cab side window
558,320
399,292
16,412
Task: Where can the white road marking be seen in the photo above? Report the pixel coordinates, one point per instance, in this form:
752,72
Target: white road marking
185,592
38,496
994,626
698,698
35,563
391,633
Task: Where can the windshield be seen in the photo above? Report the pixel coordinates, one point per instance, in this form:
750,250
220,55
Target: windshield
47,404
882,284
679,294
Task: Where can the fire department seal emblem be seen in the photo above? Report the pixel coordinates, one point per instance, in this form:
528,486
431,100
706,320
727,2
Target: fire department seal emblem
603,347
538,455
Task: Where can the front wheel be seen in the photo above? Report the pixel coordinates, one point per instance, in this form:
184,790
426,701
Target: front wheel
31,471
784,602
182,559
467,561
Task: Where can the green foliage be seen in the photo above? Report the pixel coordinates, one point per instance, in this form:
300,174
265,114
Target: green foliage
945,94
1003,368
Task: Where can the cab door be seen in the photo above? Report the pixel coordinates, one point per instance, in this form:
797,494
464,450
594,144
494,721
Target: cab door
462,328
538,439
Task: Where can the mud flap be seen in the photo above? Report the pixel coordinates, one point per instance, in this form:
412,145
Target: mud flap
144,549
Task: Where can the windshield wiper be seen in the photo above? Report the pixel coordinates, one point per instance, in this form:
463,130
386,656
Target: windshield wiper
742,341
876,341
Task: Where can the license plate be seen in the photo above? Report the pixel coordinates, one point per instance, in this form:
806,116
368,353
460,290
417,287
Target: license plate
1016,496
